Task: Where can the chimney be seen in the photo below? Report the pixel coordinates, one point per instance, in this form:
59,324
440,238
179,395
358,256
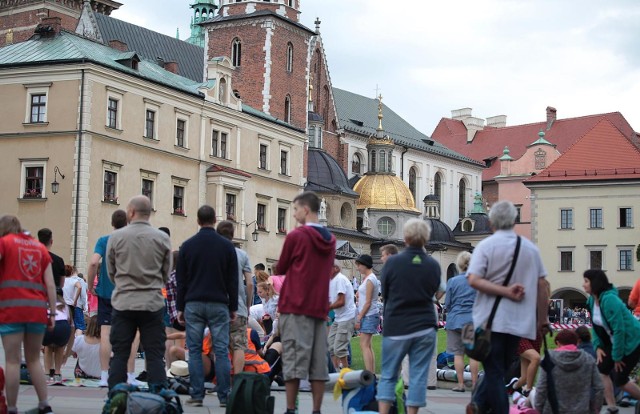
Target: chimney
171,67
460,114
473,125
551,116
118,45
498,121
49,26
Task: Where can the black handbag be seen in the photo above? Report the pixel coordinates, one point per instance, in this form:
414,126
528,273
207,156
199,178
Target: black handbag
477,340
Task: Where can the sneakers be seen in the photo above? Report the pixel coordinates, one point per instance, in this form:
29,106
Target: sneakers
45,410
510,385
192,402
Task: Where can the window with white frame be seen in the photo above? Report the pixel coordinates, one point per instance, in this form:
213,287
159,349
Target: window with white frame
223,145
282,220
110,182
150,124
178,200
148,185
284,162
32,182
230,206
566,218
147,189
625,258
290,57
263,162
236,52
626,218
181,133
219,141
595,218
37,103
114,108
287,109
596,257
261,216
566,261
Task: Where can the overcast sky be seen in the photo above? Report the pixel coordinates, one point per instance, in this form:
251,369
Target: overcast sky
499,57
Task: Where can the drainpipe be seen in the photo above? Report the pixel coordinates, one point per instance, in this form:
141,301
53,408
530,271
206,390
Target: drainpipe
402,162
80,129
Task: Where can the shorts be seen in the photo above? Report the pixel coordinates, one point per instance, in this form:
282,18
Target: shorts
454,342
369,324
59,336
339,337
238,334
304,343
27,327
606,367
527,344
78,318
104,311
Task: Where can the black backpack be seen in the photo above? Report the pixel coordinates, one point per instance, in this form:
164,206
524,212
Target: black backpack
251,394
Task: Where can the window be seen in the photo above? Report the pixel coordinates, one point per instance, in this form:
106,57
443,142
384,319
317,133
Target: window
412,182
372,168
214,142
386,226
595,259
462,205
112,113
291,3
287,109
625,217
626,262
219,144
261,217
518,213
437,189
289,58
223,145
263,157
147,189
181,126
34,177
38,108
595,218
230,207
284,162
178,200
383,161
315,136
566,261
566,219
282,220
110,186
236,52
150,124
355,164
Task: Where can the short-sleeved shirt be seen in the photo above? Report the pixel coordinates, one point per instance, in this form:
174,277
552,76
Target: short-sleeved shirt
491,260
104,289
340,284
362,294
243,266
635,296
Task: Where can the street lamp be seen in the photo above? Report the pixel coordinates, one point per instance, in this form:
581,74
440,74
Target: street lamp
55,186
254,233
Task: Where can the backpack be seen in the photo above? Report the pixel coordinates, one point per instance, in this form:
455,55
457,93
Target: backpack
251,394
445,360
128,399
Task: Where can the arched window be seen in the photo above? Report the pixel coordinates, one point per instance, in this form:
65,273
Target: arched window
197,15
412,182
287,109
372,159
236,52
289,57
383,161
462,205
355,163
437,189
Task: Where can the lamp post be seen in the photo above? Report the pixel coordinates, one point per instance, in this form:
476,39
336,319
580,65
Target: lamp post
254,233
55,186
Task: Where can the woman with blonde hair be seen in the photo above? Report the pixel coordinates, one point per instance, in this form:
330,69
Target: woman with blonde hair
27,290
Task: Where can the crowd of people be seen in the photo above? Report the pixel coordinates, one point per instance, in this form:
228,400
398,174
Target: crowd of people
207,316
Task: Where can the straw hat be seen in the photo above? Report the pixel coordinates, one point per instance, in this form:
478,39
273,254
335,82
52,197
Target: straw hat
178,369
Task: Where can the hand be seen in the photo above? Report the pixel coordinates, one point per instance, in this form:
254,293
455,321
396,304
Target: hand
233,316
181,320
357,326
544,328
52,322
92,290
600,354
515,292
619,366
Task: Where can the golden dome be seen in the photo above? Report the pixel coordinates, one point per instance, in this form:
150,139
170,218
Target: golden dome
384,192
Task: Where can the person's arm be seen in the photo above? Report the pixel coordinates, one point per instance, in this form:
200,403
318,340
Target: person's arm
111,261
51,294
78,290
514,292
339,302
176,335
92,272
248,288
447,299
367,302
166,264
543,304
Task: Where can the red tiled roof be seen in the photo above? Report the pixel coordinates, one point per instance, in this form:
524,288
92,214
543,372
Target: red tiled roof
490,142
222,168
603,153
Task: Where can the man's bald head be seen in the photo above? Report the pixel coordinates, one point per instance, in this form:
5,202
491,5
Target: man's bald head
139,208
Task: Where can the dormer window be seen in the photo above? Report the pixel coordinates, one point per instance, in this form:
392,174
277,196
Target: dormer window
129,59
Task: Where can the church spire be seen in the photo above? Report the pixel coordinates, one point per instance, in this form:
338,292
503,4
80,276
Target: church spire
380,147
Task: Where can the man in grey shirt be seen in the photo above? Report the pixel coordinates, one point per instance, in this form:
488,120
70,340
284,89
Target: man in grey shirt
522,312
138,264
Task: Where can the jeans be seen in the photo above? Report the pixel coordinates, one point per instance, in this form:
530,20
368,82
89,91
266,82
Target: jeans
491,392
199,315
124,325
420,350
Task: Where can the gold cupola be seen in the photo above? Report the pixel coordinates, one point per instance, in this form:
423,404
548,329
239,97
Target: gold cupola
380,188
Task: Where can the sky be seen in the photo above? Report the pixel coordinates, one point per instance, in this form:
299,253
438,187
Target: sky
499,57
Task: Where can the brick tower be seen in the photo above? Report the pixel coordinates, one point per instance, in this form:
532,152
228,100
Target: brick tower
268,47
19,18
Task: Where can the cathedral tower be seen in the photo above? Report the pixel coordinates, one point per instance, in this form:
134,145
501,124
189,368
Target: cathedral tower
202,10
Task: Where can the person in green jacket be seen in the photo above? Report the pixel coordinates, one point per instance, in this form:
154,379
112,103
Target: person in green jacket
616,336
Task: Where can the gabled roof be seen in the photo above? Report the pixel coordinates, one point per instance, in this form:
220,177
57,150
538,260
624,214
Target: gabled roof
603,153
68,47
151,45
215,168
359,114
490,142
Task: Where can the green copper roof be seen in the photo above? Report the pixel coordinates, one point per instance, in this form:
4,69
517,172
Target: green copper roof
506,156
71,48
359,114
541,140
